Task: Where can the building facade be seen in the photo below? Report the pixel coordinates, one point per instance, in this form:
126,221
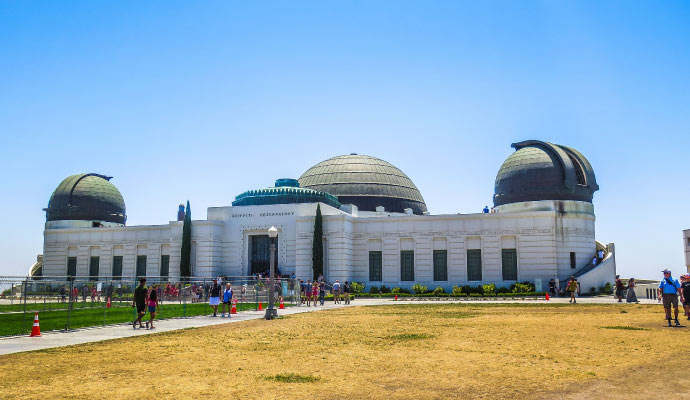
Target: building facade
376,228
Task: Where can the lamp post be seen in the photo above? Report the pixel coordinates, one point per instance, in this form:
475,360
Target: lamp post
270,311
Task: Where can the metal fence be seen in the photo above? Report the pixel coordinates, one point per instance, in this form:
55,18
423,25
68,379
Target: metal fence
67,303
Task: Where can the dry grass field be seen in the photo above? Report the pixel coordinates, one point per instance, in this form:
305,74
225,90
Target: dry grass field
433,351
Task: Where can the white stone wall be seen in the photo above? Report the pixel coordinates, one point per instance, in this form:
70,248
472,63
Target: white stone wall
543,234
130,242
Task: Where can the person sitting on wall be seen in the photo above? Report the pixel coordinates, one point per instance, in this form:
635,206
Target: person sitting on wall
486,210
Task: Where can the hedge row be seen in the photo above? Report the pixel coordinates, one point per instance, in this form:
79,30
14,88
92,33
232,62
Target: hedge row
450,295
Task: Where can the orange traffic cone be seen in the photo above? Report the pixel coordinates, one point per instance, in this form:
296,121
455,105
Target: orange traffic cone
36,330
234,307
107,305
282,306
547,297
260,307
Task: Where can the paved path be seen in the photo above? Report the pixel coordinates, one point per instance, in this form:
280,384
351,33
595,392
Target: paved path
95,334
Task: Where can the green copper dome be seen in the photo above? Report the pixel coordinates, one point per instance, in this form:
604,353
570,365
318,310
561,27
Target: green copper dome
365,181
87,197
286,191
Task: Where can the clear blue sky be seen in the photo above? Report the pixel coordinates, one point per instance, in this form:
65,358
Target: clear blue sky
203,100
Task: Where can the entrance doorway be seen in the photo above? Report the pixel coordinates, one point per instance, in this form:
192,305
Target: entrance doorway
260,254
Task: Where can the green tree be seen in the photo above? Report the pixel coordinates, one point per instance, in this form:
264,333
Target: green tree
186,250
317,245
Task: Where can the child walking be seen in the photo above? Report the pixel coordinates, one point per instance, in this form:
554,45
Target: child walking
153,305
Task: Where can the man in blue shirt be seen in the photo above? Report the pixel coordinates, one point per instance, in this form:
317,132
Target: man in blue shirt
669,289
486,210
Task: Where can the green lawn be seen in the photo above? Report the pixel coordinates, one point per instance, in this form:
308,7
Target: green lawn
92,314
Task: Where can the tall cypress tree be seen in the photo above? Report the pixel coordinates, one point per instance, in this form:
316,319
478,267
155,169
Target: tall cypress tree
186,250
317,246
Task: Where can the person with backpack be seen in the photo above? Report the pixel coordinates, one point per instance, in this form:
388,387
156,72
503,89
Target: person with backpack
227,300
153,306
669,289
572,288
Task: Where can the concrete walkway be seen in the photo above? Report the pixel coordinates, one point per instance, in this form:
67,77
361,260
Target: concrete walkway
86,335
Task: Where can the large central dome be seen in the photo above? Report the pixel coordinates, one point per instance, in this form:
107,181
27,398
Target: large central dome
366,182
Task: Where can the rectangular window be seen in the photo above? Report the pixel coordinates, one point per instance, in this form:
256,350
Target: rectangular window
474,265
509,263
407,265
573,260
375,268
117,267
71,266
165,265
141,266
440,265
93,268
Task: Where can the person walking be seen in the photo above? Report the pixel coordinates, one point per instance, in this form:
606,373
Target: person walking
62,291
139,301
336,292
669,289
552,287
685,288
315,292
153,306
307,292
322,292
346,292
630,296
214,296
572,288
227,300
619,288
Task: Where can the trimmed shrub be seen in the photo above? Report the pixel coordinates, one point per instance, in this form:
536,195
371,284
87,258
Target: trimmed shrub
439,290
607,289
489,289
522,287
419,289
374,290
356,287
384,289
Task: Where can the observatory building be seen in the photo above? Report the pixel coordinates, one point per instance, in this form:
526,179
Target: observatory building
377,229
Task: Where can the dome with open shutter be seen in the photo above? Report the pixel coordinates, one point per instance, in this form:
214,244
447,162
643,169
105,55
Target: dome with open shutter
544,171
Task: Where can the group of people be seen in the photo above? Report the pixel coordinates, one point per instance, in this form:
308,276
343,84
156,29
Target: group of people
670,291
315,292
627,291
486,210
145,298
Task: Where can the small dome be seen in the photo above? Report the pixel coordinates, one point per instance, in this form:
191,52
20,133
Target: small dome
366,182
86,197
286,191
544,171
